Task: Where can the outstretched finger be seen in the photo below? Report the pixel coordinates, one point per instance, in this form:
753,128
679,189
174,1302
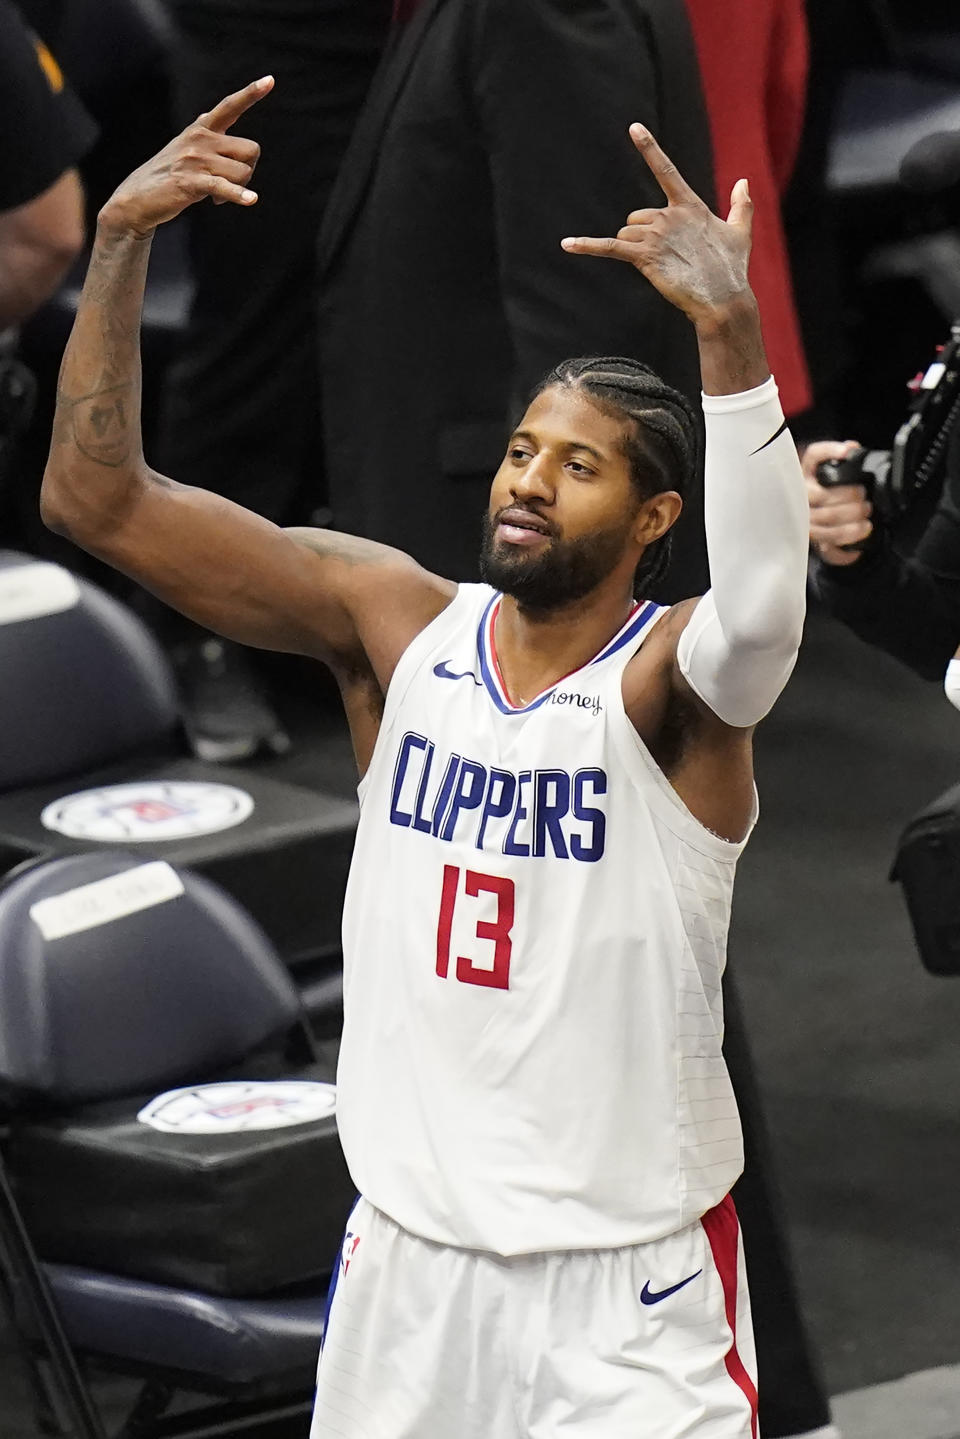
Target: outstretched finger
228,112
225,192
664,171
643,217
741,208
239,174
607,248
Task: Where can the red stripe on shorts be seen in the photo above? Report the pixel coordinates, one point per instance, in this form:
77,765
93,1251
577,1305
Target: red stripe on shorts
723,1231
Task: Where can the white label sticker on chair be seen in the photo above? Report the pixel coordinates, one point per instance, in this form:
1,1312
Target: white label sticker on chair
233,1106
27,592
90,905
148,811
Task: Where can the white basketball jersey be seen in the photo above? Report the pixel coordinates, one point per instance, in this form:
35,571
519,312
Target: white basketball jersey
534,934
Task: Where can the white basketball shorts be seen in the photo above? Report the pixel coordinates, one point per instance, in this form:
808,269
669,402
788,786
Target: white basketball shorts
429,1342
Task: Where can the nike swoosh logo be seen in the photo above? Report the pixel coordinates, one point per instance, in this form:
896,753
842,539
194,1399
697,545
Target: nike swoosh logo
443,673
773,437
647,1295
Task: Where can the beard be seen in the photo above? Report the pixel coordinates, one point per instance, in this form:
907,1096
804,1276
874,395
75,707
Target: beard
562,573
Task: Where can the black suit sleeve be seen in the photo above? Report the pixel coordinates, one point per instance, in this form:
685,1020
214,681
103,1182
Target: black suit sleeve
908,607
559,81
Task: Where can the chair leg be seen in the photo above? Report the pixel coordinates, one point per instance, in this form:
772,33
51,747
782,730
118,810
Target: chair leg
28,1276
152,1403
42,1404
44,1408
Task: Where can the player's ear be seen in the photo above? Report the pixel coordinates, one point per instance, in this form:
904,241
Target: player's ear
655,516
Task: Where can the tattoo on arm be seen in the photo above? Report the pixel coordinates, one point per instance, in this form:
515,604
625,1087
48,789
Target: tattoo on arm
98,423
98,393
351,549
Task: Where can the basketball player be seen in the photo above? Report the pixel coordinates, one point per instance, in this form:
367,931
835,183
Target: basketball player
556,785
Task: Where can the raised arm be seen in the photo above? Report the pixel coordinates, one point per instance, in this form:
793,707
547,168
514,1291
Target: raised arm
314,592
737,646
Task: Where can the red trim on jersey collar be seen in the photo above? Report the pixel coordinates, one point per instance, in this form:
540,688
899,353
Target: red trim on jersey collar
642,613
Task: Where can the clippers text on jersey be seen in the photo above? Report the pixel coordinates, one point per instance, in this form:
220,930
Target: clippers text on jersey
534,812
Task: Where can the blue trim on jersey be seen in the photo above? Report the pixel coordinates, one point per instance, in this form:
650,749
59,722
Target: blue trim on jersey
633,628
335,1276
331,1291
489,677
486,669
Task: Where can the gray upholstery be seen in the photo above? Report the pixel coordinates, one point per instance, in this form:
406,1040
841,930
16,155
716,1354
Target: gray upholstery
87,702
131,1002
233,1341
81,685
287,863
138,1003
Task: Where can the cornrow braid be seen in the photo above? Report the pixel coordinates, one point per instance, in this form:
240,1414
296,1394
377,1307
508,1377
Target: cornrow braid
661,441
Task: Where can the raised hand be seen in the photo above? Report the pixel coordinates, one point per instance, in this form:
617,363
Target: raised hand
697,261
204,160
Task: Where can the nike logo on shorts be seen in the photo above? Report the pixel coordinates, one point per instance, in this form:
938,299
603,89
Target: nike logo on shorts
647,1295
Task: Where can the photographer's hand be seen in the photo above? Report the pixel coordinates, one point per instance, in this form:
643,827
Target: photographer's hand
839,515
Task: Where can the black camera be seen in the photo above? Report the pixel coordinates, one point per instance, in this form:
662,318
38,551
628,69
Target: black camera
898,478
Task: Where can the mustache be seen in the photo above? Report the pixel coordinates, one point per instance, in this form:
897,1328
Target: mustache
524,510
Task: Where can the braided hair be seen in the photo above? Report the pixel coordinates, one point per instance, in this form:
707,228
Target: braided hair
661,439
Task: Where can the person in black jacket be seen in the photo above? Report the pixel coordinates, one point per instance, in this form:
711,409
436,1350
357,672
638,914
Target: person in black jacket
492,129
241,406
908,606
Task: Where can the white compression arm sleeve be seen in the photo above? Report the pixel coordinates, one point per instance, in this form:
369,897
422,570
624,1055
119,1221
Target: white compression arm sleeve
740,645
951,683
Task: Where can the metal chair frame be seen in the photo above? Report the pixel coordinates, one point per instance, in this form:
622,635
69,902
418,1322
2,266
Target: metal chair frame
58,1371
251,1410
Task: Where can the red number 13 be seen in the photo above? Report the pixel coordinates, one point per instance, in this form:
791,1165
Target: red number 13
499,931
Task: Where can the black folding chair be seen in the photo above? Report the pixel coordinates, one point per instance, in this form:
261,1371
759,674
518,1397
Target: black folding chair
119,979
88,707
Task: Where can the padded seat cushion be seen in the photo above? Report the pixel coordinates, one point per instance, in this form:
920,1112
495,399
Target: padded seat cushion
226,1214
286,862
238,1341
83,680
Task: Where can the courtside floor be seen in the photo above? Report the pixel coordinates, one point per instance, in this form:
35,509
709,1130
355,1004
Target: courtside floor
919,1406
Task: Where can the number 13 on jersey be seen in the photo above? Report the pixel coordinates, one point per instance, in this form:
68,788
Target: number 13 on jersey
460,886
